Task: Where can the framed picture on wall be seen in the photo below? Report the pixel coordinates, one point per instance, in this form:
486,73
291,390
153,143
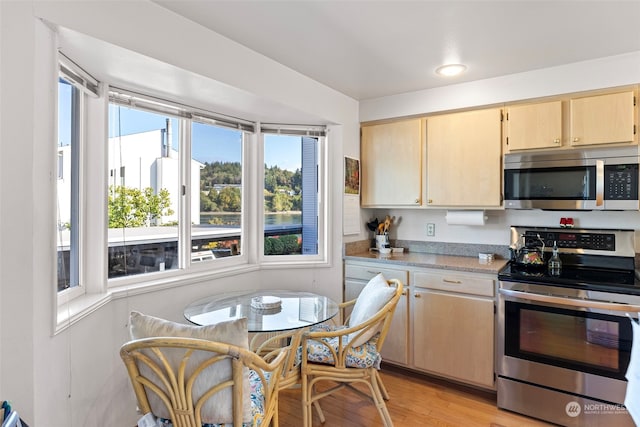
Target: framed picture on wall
351,176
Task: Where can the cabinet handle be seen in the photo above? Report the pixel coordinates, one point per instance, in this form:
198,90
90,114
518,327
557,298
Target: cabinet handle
404,292
417,295
576,139
430,201
557,140
455,282
417,202
374,272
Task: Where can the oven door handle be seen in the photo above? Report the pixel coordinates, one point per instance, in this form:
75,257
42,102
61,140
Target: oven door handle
600,305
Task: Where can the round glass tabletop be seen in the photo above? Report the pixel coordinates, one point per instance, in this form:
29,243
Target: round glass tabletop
271,310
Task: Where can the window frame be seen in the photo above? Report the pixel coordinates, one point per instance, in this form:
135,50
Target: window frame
302,260
186,115
83,85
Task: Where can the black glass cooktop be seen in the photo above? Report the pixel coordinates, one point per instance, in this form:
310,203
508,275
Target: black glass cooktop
581,277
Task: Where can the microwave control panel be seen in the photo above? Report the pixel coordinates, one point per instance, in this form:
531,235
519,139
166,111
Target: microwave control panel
573,240
621,182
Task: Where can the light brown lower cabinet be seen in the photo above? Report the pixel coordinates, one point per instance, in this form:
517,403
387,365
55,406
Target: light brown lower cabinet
454,325
453,336
444,325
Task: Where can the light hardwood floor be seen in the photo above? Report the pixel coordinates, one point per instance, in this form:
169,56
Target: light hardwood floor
415,400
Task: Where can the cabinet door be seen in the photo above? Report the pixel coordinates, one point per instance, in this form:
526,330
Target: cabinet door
391,156
534,126
453,336
603,119
396,346
464,159
352,288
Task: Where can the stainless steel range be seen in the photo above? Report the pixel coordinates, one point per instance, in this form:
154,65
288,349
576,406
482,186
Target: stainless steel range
564,340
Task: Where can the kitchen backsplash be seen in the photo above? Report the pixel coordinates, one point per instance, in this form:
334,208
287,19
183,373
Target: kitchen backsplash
443,248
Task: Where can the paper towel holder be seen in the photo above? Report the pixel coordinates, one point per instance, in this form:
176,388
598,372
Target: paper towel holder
466,217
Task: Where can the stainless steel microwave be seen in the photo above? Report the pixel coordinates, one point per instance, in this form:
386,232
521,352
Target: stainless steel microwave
581,179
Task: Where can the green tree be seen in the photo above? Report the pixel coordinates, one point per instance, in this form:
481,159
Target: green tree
208,201
282,202
131,207
268,200
296,181
269,180
229,199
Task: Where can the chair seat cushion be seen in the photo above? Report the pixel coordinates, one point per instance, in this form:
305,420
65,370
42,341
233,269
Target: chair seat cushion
257,403
363,356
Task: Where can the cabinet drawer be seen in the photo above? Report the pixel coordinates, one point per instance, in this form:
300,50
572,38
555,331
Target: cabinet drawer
366,272
455,283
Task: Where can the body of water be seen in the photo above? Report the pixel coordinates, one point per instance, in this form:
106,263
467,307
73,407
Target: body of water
269,218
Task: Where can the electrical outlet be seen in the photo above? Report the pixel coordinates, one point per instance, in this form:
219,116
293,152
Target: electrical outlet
431,229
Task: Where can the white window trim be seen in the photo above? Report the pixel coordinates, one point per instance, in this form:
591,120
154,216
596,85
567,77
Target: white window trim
184,113
321,259
63,297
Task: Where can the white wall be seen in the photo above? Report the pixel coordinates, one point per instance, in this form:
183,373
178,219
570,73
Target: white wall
17,210
76,378
607,72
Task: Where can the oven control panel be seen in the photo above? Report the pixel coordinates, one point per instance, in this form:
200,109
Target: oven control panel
573,240
582,241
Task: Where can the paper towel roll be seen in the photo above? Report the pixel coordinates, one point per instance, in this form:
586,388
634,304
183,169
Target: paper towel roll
466,217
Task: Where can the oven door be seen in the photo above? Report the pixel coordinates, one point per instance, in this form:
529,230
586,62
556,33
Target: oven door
574,345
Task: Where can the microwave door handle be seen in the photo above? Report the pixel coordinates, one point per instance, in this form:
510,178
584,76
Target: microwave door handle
572,302
600,183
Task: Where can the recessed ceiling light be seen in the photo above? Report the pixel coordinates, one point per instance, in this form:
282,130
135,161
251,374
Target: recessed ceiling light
451,69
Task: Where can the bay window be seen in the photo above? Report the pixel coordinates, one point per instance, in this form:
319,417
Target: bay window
177,190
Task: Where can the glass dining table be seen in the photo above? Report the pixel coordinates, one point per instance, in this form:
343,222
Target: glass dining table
269,311
275,319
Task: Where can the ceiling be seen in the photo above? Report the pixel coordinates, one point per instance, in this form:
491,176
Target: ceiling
369,49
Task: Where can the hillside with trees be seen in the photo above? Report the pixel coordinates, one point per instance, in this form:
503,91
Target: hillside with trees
220,187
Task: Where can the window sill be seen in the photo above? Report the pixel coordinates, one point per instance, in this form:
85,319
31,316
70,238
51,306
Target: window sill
76,309
294,261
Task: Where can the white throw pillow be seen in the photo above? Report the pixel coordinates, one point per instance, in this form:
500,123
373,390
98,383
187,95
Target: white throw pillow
373,297
216,409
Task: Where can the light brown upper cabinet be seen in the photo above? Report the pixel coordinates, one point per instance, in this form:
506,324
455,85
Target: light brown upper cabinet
534,126
391,155
603,119
463,159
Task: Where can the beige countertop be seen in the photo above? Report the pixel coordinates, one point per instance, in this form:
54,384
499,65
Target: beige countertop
426,260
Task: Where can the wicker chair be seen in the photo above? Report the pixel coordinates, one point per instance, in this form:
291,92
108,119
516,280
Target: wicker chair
172,376
271,347
343,365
